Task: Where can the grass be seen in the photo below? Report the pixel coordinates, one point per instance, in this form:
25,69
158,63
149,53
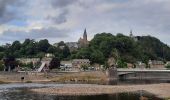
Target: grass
81,77
28,82
167,98
3,82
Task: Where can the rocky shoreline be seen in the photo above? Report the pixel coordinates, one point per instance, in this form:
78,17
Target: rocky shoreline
160,90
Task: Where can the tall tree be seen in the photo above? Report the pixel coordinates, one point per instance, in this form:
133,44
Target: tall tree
43,45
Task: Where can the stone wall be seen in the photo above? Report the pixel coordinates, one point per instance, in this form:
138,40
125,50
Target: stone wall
146,75
112,73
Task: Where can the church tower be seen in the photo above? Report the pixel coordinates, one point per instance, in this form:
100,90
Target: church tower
83,42
85,35
131,34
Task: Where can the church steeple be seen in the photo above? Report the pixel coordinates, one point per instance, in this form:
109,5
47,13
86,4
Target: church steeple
85,35
83,42
131,33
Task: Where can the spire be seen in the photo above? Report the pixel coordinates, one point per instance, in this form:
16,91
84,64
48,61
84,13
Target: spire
131,33
85,35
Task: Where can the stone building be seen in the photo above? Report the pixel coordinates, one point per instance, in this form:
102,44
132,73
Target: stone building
154,64
28,60
140,64
73,46
66,65
77,63
83,42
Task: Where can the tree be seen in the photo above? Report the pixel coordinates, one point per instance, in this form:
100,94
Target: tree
1,65
66,52
1,55
16,45
84,67
97,57
61,43
104,42
55,63
168,66
51,49
30,49
2,49
26,42
10,63
43,45
121,64
84,53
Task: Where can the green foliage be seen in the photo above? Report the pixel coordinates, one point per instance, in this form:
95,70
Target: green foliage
168,66
1,66
27,66
10,62
97,57
1,55
66,52
142,48
103,42
29,48
51,49
121,64
84,67
43,45
84,53
101,47
94,55
2,49
55,63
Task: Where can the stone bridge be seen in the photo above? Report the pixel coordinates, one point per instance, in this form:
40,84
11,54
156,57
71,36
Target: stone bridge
140,74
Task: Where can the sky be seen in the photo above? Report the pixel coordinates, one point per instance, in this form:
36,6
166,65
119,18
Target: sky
65,20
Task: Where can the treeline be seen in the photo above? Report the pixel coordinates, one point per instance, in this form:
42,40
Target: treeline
31,48
101,47
124,49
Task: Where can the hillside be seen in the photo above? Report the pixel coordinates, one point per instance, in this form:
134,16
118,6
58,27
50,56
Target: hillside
101,47
127,49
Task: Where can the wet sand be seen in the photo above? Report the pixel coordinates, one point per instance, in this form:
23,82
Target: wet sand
160,90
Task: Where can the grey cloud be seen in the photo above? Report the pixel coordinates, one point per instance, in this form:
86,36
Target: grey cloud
6,10
62,3
59,19
35,33
152,14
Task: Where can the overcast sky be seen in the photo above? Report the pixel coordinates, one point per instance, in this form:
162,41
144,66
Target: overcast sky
65,20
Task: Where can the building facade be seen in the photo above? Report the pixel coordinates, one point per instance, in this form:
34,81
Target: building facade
78,63
83,42
154,64
72,45
28,60
140,64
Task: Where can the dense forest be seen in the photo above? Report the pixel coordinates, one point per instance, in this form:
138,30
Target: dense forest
101,47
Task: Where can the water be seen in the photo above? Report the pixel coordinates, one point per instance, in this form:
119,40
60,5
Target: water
21,92
137,81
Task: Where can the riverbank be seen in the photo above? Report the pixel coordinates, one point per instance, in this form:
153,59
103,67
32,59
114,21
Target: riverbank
58,77
160,90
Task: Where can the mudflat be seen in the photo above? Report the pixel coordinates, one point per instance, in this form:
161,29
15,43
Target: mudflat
160,90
